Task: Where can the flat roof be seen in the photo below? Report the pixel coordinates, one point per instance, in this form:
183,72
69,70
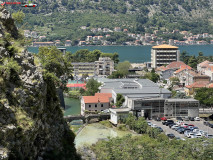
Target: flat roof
120,110
181,100
164,46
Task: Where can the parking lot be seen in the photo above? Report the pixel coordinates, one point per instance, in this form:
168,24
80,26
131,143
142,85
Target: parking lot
168,130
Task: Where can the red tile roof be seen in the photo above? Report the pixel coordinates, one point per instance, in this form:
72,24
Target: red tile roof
98,98
210,85
183,68
204,64
176,64
198,84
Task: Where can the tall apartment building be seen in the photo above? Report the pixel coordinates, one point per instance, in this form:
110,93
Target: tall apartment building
81,68
163,55
104,66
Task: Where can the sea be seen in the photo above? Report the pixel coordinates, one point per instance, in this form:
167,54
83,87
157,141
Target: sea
136,54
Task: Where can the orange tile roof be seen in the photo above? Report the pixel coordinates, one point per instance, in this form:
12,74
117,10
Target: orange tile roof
210,85
96,99
183,68
161,68
164,46
175,64
204,63
199,84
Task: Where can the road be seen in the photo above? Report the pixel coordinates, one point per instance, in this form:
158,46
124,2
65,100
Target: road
168,130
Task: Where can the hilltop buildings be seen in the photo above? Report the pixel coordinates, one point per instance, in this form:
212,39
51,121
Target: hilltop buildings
163,55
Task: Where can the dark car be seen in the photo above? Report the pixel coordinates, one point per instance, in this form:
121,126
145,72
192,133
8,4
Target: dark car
178,128
171,135
191,118
181,130
179,119
164,122
206,123
210,125
169,122
172,124
160,129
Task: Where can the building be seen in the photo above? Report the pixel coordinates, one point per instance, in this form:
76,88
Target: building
41,44
163,55
206,68
63,50
68,43
81,68
104,66
97,103
190,89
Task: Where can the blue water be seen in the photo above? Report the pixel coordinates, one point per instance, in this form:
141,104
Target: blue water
136,54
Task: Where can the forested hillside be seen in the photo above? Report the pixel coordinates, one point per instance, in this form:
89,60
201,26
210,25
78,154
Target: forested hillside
61,19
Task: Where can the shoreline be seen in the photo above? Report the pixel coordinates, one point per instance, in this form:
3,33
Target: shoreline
121,45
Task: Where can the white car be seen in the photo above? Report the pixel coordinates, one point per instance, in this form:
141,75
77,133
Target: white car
184,125
195,130
197,119
198,135
186,133
174,127
191,135
154,125
149,123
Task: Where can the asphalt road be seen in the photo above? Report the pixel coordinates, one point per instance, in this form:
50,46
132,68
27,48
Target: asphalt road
168,130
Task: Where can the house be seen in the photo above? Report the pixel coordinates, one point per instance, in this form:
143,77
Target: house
68,43
190,89
89,38
82,43
105,30
117,29
42,37
117,115
97,103
27,33
206,68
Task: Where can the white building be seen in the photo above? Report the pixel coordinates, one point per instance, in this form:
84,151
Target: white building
163,55
104,66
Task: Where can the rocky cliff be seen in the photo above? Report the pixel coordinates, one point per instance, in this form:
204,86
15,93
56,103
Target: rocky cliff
31,121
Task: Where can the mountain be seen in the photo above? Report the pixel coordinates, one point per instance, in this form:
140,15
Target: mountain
31,120
62,19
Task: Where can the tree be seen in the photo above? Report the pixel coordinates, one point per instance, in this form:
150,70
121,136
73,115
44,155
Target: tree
184,57
119,100
174,80
92,87
192,62
205,96
123,67
18,17
116,74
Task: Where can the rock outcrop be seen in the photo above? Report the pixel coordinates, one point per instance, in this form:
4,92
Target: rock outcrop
31,120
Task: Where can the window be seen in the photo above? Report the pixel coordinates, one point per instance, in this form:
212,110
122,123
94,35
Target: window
102,105
95,110
95,105
89,106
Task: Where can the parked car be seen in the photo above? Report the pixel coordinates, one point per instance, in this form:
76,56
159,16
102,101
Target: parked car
197,119
209,136
170,135
169,122
172,124
186,133
179,119
181,130
191,118
184,125
186,118
149,123
210,125
198,135
195,130
160,129
191,125
163,118
154,126
164,122
174,127
190,135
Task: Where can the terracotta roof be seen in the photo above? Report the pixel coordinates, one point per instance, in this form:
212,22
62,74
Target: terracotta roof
183,68
198,84
165,46
204,63
96,99
161,68
175,64
210,85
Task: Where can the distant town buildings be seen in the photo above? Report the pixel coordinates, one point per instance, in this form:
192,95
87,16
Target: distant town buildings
163,55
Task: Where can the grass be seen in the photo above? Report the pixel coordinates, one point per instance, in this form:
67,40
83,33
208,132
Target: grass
106,123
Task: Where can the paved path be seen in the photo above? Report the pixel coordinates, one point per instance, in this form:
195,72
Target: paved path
168,130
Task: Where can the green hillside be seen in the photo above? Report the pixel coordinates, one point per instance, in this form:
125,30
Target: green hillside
61,19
